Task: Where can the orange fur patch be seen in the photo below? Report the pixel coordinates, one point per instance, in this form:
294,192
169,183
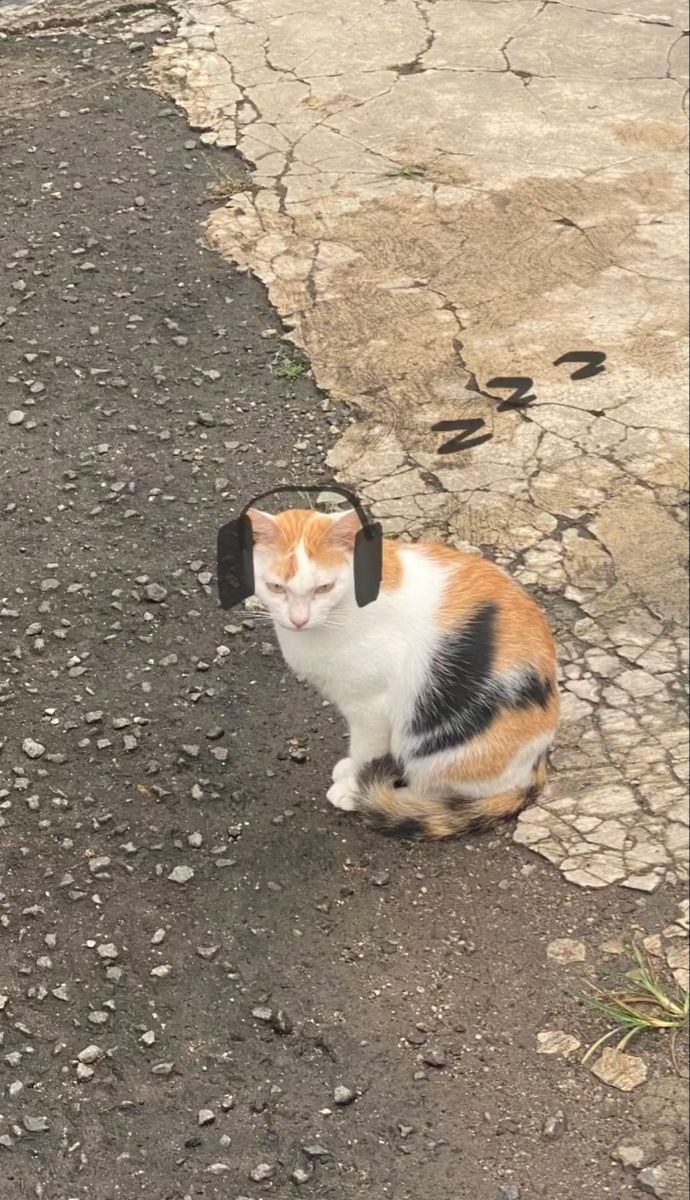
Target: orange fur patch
392,576
490,754
304,526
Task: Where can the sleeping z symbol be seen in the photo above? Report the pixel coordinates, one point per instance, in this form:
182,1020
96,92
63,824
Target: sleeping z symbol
520,398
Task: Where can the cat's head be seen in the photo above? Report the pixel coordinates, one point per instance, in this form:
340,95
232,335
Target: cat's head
303,564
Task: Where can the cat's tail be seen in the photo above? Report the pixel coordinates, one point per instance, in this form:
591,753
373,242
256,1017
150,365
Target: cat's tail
399,811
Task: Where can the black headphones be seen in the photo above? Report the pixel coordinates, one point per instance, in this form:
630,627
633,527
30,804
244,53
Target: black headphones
236,551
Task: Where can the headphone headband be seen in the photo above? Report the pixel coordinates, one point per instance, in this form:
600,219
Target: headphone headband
312,488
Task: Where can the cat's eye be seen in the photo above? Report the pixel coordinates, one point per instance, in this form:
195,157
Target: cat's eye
276,588
325,587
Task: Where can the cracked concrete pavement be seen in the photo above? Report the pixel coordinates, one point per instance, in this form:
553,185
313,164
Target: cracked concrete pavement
446,191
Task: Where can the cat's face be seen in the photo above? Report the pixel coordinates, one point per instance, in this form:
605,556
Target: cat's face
303,565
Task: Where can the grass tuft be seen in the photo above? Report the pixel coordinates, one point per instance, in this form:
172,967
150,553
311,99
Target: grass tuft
289,368
227,185
640,1003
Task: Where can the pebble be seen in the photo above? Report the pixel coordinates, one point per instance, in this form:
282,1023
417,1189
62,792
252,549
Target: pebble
181,874
90,1054
265,1015
381,878
344,1096
99,863
33,749
16,417
35,1124
206,1116
630,1155
507,1125
262,1173
315,1152
619,1070
163,1068
155,592
557,1042
653,1181
435,1057
566,951
107,951
281,1024
555,1126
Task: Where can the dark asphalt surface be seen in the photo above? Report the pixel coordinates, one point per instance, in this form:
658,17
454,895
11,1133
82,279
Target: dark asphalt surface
144,731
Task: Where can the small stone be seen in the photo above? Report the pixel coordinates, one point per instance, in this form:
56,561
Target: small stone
630,1155
554,1127
281,1023
155,592
206,1116
435,1057
508,1191
315,1152
507,1125
557,1042
207,952
98,1017
162,972
344,1096
381,878
265,1015
35,1124
16,417
666,1181
181,874
300,1176
619,1070
107,951
262,1173
163,1068
33,749
227,1103
218,1168
566,951
90,1054
100,863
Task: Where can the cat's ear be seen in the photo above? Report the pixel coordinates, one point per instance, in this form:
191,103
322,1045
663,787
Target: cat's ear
264,528
344,529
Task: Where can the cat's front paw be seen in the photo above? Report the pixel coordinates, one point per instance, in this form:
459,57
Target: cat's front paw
343,795
342,769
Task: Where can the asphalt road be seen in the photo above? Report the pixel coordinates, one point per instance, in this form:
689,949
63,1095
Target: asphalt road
211,985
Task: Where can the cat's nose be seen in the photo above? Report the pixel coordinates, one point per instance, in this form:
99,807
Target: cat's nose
299,622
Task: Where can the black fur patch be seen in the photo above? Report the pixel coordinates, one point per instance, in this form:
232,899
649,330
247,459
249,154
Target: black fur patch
407,830
464,696
386,769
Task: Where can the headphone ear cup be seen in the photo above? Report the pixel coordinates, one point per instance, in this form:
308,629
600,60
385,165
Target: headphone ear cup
235,571
368,563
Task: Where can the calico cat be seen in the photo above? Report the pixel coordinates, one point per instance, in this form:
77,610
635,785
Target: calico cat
447,681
